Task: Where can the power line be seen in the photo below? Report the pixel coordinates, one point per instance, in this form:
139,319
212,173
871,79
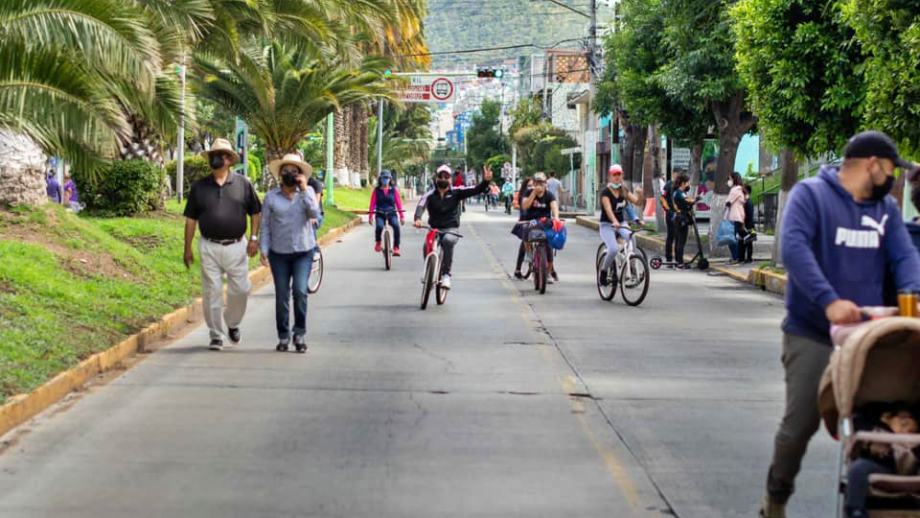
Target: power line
570,8
489,49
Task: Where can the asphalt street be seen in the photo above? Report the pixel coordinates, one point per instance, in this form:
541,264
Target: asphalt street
502,403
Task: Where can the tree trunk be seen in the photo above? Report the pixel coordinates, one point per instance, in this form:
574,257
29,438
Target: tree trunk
144,143
733,123
696,163
363,143
789,168
626,151
22,171
637,160
651,183
340,150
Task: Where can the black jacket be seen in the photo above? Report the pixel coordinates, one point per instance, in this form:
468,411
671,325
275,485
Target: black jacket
444,211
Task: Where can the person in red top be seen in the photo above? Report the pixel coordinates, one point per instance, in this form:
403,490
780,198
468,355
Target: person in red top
386,203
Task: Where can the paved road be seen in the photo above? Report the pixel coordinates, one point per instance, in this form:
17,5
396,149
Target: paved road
501,403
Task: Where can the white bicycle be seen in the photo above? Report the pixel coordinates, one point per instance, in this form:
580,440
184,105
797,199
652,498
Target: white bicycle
632,266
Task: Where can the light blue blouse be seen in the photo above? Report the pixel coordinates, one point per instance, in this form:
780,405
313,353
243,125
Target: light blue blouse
286,227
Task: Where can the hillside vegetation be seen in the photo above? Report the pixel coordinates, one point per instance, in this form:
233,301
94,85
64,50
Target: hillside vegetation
470,24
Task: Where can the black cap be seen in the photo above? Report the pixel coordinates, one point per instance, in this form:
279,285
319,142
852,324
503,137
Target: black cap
875,143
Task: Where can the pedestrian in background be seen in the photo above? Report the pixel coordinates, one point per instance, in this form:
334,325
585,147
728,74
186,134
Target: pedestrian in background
683,214
735,207
53,188
841,234
71,197
526,185
218,205
289,245
747,246
666,200
553,185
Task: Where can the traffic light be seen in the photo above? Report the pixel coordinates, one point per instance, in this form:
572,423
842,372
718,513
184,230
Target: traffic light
487,72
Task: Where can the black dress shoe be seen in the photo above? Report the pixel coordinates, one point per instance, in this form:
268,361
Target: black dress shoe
234,334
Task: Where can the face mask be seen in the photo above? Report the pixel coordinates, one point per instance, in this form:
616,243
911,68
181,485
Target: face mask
880,191
730,183
384,181
442,184
288,179
216,161
615,185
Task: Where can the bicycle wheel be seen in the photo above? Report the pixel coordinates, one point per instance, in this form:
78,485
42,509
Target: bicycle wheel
539,268
428,279
634,280
316,272
610,290
387,249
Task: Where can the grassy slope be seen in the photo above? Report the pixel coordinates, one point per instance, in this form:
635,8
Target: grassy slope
72,286
352,199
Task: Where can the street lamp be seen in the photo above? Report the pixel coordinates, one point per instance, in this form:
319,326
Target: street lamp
180,144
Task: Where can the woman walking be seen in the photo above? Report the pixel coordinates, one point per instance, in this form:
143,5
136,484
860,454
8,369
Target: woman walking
289,214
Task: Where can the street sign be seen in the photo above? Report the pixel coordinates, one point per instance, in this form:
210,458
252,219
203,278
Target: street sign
680,158
429,89
241,136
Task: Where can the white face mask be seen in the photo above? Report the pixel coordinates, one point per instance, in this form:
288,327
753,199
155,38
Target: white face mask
730,183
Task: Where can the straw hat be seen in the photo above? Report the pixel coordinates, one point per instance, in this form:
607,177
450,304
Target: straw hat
290,159
221,145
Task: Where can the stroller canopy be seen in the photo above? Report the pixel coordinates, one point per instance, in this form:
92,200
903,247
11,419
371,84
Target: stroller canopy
879,362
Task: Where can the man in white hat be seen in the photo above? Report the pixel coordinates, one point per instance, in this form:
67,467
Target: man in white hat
219,205
289,244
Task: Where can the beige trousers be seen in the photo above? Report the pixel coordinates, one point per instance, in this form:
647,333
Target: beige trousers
216,261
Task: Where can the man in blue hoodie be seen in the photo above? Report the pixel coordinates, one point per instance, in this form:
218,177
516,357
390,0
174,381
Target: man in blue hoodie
841,233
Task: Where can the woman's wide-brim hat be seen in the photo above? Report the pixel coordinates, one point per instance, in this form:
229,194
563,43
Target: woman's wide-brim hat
221,146
275,166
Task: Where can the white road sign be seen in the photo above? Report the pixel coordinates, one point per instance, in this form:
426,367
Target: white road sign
429,89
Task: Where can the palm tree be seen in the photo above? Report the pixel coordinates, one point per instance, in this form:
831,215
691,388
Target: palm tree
282,91
399,152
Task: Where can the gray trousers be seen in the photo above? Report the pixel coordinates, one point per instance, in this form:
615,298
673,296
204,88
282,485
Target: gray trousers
804,360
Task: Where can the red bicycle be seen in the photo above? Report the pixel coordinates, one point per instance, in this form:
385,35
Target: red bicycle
431,279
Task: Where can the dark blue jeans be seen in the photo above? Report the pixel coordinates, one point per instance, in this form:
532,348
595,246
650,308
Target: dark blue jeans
858,482
394,226
291,271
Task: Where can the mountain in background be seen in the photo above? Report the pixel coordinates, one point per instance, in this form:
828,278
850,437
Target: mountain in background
454,25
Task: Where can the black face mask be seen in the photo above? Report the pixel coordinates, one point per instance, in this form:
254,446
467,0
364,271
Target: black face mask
289,180
880,191
216,161
442,184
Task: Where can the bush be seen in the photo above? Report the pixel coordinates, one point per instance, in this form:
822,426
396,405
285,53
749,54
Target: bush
124,188
254,172
196,168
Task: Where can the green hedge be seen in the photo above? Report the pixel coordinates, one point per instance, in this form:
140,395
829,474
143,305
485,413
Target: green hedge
123,188
196,168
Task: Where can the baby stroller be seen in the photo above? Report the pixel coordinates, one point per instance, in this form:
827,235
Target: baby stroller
878,361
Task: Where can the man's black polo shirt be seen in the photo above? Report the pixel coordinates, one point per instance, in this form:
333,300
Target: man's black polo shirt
221,210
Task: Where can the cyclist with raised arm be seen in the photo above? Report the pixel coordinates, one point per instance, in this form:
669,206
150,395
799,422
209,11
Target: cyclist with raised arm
443,206
615,199
539,204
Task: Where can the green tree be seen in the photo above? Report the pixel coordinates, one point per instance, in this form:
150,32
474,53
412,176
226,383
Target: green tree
701,72
283,92
799,63
527,112
888,32
483,139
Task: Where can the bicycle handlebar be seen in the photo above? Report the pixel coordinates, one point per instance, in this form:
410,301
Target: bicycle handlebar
442,232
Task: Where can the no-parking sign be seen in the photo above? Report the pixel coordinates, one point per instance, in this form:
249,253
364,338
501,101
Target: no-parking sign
429,89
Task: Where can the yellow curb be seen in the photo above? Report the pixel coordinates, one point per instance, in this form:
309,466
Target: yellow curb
734,274
22,407
589,223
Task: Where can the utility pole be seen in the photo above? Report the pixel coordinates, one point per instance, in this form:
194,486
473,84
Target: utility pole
590,158
180,139
379,138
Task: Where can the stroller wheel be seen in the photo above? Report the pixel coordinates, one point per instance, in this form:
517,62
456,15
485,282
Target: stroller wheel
703,264
655,263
